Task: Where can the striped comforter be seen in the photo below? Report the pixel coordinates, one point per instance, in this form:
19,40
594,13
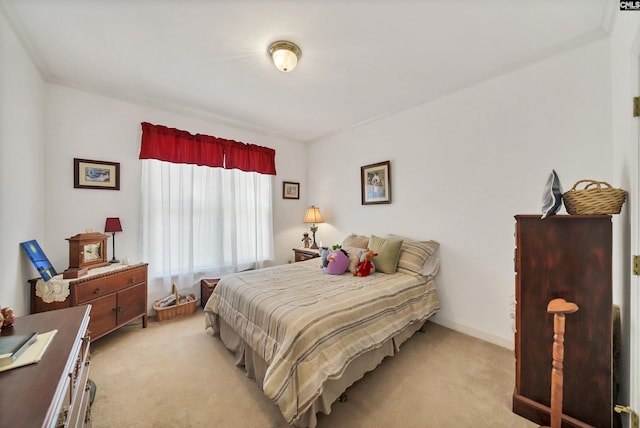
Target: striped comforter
308,325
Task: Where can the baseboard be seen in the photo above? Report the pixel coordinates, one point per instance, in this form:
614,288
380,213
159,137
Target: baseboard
483,335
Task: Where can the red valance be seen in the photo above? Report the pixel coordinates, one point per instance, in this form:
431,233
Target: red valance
176,146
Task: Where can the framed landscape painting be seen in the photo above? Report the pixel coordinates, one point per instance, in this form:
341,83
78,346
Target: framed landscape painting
93,174
375,181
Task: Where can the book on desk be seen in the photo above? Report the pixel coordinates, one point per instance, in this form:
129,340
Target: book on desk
25,349
11,347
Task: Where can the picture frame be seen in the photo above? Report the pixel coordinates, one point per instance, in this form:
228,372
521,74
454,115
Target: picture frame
95,174
39,259
290,190
375,183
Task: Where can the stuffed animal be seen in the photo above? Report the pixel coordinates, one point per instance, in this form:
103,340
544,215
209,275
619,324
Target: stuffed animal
337,262
324,255
365,267
7,317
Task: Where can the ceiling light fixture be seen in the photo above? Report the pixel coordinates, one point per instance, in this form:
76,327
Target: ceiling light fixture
285,55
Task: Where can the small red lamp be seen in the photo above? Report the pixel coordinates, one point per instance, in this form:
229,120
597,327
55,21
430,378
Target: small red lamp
113,225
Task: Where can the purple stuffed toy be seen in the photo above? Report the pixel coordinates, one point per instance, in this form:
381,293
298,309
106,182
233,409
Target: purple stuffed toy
338,262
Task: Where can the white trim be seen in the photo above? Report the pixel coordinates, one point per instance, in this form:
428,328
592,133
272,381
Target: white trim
483,335
634,283
634,212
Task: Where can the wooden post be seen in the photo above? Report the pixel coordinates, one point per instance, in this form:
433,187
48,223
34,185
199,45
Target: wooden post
558,307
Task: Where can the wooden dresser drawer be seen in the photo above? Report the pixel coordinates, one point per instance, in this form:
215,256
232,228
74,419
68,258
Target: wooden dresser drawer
85,291
117,295
302,254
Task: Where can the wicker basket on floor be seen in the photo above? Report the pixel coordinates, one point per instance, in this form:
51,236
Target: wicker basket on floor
597,197
177,310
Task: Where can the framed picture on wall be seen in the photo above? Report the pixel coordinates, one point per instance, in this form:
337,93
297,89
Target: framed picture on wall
375,182
93,174
290,190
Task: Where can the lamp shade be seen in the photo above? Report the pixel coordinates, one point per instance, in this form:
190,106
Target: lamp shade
285,55
313,215
113,225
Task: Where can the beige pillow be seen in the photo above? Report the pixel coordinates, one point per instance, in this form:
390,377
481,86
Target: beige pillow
388,253
414,254
358,241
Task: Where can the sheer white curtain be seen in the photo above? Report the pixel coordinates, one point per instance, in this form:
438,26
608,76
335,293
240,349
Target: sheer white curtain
199,221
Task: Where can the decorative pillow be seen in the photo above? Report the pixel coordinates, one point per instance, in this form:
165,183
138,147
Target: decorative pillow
552,196
431,266
358,241
388,252
414,254
338,262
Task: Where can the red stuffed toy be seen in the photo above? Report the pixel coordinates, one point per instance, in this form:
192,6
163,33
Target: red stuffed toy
365,267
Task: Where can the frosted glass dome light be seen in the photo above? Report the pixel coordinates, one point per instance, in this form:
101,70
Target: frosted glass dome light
285,55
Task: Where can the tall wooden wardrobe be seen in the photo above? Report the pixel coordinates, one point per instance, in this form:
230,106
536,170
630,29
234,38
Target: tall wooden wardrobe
567,256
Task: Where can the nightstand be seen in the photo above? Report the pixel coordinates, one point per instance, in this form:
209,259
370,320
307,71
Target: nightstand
206,288
302,254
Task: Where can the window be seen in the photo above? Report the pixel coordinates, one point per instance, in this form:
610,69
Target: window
200,221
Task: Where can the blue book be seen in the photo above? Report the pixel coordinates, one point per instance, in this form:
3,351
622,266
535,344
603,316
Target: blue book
12,346
39,259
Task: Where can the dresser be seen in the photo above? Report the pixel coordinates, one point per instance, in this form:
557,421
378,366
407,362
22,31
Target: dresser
117,294
53,392
567,256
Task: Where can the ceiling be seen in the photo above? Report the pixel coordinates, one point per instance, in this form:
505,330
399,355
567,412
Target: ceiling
361,59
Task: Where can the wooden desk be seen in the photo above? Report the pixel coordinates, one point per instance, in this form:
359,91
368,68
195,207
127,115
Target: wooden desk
38,394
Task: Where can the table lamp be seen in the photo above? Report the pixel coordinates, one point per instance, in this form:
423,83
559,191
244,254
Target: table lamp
113,225
313,216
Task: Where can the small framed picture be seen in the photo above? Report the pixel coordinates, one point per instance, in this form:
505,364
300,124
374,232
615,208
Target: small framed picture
93,174
375,180
290,190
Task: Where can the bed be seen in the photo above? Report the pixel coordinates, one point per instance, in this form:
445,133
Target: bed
305,336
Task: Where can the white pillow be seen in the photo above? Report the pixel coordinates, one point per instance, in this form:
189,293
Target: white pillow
431,266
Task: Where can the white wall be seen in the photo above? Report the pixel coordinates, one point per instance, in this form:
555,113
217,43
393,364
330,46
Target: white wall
464,165
22,197
83,125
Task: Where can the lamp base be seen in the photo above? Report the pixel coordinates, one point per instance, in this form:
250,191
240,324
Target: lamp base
114,260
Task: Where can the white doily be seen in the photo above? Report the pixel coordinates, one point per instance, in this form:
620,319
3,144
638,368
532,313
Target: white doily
54,290
57,289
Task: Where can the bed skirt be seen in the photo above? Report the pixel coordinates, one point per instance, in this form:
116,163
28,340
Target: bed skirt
255,367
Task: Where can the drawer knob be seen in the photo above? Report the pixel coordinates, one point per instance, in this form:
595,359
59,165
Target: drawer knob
96,291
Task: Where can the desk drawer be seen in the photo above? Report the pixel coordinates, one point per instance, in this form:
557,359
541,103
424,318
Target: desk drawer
86,290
